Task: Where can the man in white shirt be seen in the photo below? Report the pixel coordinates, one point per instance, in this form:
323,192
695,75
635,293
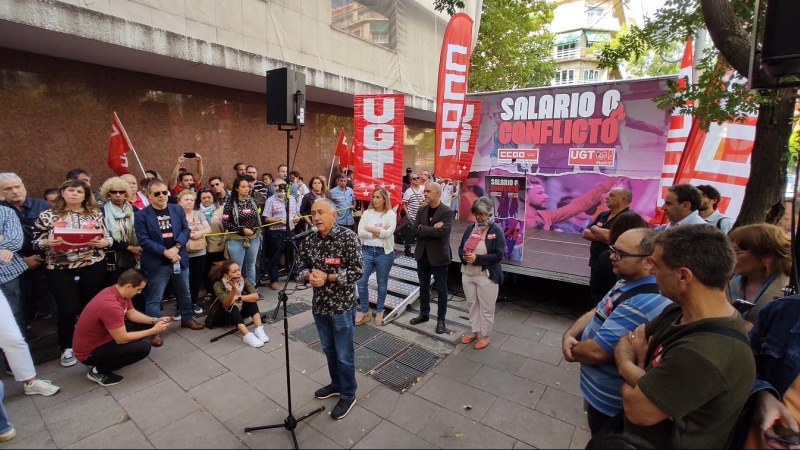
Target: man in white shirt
681,205
708,211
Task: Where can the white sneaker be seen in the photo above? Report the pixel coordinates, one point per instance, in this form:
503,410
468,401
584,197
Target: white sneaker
251,340
261,334
68,358
41,387
176,317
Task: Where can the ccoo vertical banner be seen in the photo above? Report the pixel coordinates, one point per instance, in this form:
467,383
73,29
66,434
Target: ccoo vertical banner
378,142
451,93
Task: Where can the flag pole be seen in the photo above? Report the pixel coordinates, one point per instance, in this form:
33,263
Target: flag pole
330,174
125,134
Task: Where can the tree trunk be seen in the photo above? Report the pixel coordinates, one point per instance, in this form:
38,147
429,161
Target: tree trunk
767,182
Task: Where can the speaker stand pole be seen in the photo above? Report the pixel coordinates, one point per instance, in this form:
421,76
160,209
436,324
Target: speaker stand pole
290,422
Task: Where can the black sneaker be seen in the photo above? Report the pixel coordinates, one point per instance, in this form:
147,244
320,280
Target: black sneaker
104,379
326,392
343,406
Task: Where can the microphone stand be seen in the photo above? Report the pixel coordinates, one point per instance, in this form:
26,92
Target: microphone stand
290,422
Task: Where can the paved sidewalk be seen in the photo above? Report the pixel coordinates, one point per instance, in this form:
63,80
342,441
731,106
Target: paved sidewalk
191,393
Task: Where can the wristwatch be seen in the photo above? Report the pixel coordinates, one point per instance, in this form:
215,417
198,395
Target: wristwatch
178,245
153,321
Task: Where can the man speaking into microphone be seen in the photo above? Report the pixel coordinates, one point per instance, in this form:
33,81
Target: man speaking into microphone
330,260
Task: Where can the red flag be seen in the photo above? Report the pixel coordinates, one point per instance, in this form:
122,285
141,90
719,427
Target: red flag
341,150
118,147
378,143
451,93
468,137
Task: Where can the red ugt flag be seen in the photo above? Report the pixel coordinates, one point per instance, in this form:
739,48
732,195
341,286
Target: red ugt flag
118,147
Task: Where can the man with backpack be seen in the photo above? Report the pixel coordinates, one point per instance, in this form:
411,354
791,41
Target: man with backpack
689,371
591,340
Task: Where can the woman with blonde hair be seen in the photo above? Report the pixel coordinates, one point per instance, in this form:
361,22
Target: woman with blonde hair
118,212
76,272
763,265
376,230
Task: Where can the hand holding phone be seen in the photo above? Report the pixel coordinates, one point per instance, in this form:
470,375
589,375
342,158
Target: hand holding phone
189,155
783,435
742,305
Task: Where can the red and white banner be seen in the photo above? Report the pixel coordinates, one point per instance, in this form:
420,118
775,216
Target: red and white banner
468,137
378,143
118,147
451,93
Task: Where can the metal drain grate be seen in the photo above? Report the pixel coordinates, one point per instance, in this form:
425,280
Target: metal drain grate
418,358
295,308
387,345
316,346
367,360
398,377
306,334
363,334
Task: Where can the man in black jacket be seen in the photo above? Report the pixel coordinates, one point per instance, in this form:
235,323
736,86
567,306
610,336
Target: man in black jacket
432,228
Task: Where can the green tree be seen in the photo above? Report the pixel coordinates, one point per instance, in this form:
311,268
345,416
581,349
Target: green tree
514,48
729,24
647,62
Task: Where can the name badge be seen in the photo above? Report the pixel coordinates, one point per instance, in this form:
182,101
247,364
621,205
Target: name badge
378,225
333,261
246,211
166,235
659,354
339,198
491,237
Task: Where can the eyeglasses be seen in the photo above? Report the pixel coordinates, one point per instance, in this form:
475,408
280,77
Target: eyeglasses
620,254
415,178
159,193
117,192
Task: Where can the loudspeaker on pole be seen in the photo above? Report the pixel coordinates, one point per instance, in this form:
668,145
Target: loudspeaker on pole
780,52
286,97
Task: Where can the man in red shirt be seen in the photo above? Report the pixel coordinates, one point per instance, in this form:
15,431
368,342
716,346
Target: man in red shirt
101,339
180,180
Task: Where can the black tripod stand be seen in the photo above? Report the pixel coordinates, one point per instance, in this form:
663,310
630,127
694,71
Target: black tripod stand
290,423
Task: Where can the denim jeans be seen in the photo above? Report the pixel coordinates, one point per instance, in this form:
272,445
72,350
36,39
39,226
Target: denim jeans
5,425
424,271
336,340
154,292
245,257
375,258
13,293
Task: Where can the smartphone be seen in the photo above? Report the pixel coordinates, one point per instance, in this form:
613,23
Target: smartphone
743,306
783,434
190,155
192,186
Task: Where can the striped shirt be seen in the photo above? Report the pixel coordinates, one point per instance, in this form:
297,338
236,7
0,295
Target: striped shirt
600,384
412,198
11,231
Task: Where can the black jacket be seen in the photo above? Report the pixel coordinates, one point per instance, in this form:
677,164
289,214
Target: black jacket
494,252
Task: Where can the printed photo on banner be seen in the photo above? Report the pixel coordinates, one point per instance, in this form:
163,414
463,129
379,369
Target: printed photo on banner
572,144
508,197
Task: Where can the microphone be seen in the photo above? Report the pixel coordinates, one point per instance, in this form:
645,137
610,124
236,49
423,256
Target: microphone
306,233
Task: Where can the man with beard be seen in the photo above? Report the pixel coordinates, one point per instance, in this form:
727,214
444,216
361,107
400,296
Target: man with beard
708,208
537,216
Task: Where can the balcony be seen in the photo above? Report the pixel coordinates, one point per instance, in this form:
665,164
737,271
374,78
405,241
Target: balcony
571,53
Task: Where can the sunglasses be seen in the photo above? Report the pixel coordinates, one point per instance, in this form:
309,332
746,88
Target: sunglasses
117,192
415,178
159,193
620,254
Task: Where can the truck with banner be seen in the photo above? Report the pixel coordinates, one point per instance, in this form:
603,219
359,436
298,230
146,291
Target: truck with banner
570,145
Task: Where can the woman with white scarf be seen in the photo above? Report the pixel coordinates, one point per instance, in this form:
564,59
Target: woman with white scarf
118,213
481,252
239,299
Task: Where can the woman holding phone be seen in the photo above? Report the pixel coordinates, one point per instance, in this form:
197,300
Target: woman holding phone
239,299
481,252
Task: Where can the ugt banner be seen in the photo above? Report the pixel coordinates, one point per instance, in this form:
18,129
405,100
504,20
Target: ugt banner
468,137
451,93
378,142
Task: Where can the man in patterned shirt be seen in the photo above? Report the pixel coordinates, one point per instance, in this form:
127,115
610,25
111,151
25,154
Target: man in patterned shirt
330,261
275,212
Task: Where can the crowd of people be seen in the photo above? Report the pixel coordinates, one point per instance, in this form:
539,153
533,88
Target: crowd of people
665,355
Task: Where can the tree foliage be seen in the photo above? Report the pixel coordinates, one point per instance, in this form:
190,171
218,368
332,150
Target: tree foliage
514,48
646,62
729,24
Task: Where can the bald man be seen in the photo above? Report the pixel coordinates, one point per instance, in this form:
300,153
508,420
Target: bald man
618,200
432,228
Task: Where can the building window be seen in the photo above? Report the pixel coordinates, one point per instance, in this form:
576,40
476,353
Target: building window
365,22
591,76
593,15
567,50
565,77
